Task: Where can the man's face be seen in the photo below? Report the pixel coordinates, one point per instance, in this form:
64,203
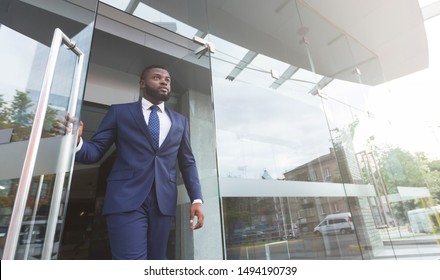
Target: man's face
156,85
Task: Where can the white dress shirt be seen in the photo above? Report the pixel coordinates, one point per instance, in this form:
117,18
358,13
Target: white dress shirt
164,119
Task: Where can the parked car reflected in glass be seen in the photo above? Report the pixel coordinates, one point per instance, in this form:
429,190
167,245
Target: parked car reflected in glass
335,223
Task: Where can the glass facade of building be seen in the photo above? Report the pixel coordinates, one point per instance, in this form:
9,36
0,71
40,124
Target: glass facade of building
308,145
313,167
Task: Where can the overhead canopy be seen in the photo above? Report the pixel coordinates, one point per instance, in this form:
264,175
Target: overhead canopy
382,39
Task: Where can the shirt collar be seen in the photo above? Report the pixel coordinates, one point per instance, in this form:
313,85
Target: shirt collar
147,104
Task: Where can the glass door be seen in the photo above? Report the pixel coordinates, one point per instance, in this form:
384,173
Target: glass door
44,62
117,59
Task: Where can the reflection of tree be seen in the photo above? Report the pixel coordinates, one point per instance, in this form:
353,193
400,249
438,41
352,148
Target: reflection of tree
50,119
401,168
432,177
258,213
18,115
235,212
388,167
3,113
19,108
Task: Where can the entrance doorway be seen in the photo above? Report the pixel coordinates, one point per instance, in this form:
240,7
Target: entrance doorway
44,64
116,61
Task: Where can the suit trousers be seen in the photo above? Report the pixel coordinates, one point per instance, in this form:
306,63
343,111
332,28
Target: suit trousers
140,234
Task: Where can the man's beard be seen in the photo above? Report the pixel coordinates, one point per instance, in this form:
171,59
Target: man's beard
157,95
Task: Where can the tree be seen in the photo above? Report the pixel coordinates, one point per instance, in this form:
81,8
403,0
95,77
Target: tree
19,108
17,116
432,178
401,168
49,120
5,114
434,165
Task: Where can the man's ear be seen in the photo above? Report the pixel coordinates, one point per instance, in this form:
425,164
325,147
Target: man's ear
142,83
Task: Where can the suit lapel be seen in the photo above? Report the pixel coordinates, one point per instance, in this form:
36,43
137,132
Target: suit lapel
138,116
172,116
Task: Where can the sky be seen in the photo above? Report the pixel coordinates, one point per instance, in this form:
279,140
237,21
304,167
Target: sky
414,116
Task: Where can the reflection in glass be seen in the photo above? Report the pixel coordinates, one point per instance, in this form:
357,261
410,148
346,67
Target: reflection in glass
289,228
37,220
154,16
297,150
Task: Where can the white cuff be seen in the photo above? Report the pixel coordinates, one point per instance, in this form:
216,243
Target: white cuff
79,145
197,201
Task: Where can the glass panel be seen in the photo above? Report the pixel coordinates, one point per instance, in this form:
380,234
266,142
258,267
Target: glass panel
374,152
266,137
117,79
286,228
157,17
319,167
25,53
377,148
18,106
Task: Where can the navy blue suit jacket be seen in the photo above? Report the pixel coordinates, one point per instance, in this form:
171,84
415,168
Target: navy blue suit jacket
138,164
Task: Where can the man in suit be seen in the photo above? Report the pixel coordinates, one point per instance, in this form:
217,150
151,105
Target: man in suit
141,195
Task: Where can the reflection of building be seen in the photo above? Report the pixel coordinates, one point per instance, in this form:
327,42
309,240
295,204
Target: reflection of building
322,169
338,166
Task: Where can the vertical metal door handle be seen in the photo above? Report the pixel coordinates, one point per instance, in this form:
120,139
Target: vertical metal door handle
59,38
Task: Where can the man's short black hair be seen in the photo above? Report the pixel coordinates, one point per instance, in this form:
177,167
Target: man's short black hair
146,69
